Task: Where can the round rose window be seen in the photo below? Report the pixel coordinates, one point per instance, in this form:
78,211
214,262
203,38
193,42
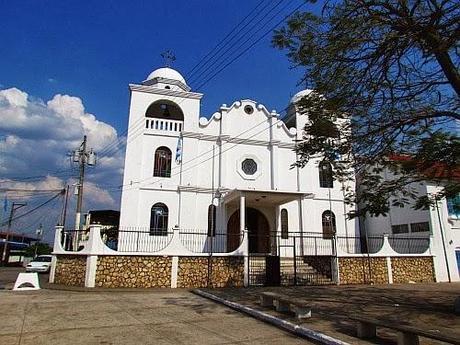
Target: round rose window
249,166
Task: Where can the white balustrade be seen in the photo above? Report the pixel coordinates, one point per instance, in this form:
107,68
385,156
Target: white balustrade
163,125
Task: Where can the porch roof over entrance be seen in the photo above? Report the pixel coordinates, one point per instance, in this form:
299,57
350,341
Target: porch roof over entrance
264,197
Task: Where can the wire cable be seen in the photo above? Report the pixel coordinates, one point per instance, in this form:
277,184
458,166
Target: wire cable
35,208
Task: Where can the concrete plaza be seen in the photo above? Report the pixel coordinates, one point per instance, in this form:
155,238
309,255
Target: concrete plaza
177,316
113,317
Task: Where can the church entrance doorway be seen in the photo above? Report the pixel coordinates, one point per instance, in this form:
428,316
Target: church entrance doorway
258,230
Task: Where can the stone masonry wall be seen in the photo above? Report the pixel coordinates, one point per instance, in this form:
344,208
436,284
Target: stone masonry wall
225,272
416,269
133,271
356,271
70,270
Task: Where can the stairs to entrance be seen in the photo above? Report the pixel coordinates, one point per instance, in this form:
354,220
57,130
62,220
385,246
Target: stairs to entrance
299,274
304,273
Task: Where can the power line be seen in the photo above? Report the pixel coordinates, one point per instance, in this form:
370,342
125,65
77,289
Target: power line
205,59
40,219
223,53
36,208
249,47
29,190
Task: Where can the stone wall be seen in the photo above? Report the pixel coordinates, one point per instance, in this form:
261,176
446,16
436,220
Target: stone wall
356,270
416,269
322,264
193,272
133,271
70,270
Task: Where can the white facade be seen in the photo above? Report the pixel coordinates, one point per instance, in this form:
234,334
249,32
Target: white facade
210,168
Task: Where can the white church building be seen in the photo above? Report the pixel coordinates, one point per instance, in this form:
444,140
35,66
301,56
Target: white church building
217,201
181,166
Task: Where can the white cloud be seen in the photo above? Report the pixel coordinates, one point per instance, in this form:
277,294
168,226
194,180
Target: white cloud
36,136
48,183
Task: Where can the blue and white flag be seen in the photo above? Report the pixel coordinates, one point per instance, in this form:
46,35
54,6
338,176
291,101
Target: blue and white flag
179,151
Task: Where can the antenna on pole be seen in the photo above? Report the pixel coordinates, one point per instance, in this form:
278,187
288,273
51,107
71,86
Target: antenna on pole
168,57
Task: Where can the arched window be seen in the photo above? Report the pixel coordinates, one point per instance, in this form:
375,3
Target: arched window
164,109
329,228
284,224
159,220
325,175
162,164
212,220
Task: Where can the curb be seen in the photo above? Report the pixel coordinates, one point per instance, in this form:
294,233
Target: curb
280,323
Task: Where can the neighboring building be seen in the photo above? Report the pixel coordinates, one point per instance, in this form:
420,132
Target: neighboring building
109,221
441,222
106,218
179,164
17,243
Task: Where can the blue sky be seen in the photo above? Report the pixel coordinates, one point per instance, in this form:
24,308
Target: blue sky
65,69
93,49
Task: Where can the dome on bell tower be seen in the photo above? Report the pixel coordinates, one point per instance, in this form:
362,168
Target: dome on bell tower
168,78
167,73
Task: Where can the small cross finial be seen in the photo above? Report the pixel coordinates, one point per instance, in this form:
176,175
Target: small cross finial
169,57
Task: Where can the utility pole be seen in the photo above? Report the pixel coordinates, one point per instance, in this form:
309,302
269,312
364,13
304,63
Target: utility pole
15,206
64,212
83,158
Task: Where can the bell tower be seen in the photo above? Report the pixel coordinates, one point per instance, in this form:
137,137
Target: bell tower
162,108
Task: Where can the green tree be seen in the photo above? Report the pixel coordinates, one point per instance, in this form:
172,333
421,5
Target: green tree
386,83
40,248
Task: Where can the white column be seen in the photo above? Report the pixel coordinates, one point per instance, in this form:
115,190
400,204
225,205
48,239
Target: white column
301,224
223,161
242,213
272,239
274,150
246,236
90,275
273,153
390,270
174,270
52,269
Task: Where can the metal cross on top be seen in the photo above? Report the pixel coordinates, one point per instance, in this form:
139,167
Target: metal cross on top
169,57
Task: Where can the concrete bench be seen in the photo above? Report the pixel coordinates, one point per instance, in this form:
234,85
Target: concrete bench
266,298
284,305
407,335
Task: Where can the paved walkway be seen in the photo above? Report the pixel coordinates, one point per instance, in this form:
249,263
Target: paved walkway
148,317
425,306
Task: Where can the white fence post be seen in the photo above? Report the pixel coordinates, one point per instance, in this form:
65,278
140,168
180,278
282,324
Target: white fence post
57,246
92,247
